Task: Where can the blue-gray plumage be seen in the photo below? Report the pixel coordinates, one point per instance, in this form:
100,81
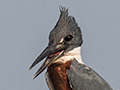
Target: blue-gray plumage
65,69
82,77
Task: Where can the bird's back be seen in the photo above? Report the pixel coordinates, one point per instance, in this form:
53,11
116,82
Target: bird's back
82,77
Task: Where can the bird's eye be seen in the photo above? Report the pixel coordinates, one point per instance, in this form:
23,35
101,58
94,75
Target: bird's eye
68,38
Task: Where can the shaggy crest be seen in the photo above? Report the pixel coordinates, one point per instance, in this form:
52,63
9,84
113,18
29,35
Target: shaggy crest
64,18
66,24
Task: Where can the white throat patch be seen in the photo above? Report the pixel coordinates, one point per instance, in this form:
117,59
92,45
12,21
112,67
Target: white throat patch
73,54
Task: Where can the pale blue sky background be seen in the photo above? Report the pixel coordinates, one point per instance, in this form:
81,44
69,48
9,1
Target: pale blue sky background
24,30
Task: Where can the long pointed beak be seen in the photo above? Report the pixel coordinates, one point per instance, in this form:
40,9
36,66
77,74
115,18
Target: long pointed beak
49,52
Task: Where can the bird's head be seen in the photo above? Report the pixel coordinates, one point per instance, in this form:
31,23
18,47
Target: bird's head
65,36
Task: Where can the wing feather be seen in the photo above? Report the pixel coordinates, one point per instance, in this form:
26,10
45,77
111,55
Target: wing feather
84,78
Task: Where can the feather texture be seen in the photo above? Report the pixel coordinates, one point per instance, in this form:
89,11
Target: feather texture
84,78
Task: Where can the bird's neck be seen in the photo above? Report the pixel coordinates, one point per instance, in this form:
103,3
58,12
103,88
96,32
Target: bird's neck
70,55
56,76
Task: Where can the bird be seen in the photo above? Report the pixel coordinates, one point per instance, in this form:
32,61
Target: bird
65,68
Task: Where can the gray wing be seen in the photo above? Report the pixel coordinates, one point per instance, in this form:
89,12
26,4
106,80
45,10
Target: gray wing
82,77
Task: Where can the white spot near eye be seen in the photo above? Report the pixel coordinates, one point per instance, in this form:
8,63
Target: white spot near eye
61,40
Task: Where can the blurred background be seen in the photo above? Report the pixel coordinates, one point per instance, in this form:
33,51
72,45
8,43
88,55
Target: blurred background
24,31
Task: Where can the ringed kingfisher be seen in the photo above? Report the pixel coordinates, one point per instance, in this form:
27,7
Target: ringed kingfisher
65,69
